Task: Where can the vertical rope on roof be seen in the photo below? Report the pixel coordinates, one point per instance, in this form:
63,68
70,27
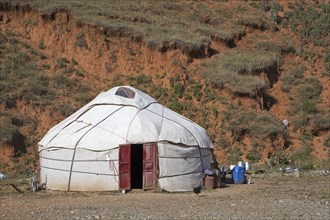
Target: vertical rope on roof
161,124
68,125
129,126
76,145
199,148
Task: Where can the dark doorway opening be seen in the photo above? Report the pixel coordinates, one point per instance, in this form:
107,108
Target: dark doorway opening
137,166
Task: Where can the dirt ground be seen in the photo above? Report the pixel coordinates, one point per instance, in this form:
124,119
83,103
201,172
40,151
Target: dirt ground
272,197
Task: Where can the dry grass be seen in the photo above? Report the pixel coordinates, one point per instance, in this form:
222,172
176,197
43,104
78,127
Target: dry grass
238,70
164,25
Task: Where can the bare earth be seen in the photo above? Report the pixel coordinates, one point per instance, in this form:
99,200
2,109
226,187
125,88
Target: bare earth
274,197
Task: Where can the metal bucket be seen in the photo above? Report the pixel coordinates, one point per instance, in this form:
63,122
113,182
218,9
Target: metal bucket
297,173
247,166
209,182
240,164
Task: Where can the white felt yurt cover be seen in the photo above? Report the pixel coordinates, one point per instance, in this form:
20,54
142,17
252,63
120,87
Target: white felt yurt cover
84,147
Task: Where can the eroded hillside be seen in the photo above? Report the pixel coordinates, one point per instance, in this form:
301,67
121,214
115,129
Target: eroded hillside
236,68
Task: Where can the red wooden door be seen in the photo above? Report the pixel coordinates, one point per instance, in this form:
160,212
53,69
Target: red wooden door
150,165
125,167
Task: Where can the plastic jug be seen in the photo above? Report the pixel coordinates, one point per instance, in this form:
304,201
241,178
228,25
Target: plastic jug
238,175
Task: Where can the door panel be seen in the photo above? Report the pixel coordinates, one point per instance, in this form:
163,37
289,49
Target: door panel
125,167
150,165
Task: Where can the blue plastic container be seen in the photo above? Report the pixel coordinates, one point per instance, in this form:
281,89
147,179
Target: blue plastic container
238,175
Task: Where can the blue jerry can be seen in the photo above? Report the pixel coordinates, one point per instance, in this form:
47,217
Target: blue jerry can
238,175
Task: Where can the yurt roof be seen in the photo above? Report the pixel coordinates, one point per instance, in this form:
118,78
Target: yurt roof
123,115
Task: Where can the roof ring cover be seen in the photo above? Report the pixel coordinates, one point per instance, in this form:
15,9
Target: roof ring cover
125,92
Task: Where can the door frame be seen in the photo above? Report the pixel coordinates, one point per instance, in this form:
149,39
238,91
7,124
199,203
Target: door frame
124,163
150,166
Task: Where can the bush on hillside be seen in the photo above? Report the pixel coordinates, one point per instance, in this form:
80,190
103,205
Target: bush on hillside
310,22
302,158
234,155
257,21
305,96
254,155
7,128
285,46
326,141
327,63
312,123
257,125
237,70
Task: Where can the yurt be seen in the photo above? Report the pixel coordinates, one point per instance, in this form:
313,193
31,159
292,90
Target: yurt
122,140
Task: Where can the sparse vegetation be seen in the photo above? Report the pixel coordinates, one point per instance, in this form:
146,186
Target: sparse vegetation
303,158
254,155
327,63
237,70
257,21
7,128
309,23
19,77
326,141
248,122
234,155
158,23
42,44
285,46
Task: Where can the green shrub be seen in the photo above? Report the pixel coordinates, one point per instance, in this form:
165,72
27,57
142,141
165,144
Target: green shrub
223,143
197,90
178,89
310,22
39,85
159,92
65,109
257,21
62,62
234,155
306,96
326,141
293,78
281,47
117,80
81,41
278,158
254,155
140,79
236,70
307,165
82,99
61,81
20,77
41,44
327,63
7,129
80,35
215,111
80,73
248,122
216,35
302,158
318,122
176,106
